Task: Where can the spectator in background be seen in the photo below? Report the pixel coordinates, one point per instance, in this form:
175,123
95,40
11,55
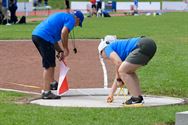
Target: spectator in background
13,7
93,7
5,12
136,5
40,2
67,5
4,7
99,4
89,10
8,14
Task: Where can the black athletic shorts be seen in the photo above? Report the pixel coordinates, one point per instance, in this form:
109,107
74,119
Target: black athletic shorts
144,51
46,50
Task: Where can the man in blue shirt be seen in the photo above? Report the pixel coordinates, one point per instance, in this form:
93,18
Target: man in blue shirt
128,55
46,36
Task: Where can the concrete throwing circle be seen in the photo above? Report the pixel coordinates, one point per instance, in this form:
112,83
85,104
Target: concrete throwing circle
100,101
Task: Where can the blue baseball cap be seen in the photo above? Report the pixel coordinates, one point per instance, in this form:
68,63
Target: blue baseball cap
79,15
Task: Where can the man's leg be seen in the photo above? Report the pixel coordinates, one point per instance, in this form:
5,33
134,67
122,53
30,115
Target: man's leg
47,52
48,77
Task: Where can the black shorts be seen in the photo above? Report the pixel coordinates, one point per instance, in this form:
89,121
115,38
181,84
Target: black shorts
46,50
144,51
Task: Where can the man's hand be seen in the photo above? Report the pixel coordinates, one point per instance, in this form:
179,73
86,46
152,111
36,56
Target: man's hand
66,52
60,55
75,50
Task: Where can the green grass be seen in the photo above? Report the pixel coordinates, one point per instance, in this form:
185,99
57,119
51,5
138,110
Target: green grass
166,74
7,97
16,114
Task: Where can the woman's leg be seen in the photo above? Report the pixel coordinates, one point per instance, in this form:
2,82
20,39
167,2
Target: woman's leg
127,72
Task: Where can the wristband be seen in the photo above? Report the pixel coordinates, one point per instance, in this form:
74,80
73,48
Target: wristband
119,79
75,50
60,51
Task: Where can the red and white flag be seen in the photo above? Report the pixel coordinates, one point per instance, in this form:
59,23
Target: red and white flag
63,84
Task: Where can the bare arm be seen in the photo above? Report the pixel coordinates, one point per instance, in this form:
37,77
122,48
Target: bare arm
117,61
64,39
57,47
114,58
65,36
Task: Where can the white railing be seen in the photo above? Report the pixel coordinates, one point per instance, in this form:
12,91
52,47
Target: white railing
141,5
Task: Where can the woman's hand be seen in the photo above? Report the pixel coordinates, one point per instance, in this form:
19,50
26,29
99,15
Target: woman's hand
110,99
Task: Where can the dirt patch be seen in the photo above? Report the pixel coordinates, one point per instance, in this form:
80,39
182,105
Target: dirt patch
20,65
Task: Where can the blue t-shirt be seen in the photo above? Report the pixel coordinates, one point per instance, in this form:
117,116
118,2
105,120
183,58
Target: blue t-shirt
122,47
50,29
